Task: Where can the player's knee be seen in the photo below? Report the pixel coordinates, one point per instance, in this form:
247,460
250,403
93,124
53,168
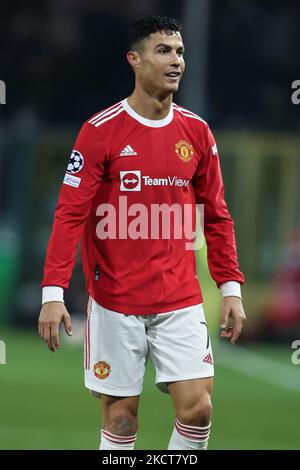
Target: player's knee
121,421
197,413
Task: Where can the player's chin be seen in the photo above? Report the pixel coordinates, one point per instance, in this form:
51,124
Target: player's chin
172,87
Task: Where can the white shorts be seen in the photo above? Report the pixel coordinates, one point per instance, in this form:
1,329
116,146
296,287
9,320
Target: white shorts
117,347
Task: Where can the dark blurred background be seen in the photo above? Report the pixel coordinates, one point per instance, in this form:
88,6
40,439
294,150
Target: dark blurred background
62,61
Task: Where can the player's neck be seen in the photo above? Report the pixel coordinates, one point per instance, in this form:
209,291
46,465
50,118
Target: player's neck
150,107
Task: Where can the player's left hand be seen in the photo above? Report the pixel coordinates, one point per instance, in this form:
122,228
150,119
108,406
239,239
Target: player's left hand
232,307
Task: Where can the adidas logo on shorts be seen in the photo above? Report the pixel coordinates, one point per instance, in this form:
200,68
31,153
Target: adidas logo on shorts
208,359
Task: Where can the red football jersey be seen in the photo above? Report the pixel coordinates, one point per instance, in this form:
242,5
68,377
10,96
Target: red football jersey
122,170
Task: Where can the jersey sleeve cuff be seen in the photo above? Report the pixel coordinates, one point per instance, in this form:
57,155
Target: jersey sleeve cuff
52,294
231,288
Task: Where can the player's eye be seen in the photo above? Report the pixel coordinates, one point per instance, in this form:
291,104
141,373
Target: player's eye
163,51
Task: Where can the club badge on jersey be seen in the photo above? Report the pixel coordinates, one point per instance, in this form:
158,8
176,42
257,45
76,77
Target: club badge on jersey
184,151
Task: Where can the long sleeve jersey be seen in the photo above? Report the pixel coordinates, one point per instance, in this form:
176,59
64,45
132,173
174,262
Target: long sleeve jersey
129,196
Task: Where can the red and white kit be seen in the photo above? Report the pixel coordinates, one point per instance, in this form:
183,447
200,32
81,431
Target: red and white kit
121,156
145,298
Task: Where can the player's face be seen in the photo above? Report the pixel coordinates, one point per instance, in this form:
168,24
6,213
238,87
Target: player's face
161,63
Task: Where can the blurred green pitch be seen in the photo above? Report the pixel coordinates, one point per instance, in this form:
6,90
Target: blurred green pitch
44,405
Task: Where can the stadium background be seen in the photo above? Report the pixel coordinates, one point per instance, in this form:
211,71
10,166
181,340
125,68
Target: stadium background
64,60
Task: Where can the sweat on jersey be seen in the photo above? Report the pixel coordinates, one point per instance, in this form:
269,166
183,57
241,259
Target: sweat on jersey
120,162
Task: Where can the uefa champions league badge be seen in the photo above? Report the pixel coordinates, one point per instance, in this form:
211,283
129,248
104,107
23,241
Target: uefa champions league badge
76,162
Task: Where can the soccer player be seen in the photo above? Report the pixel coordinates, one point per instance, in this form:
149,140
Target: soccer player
142,156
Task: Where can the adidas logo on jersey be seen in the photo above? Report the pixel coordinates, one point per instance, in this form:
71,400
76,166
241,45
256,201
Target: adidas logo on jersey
127,151
208,359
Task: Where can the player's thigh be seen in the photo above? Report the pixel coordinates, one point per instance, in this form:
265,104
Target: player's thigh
180,347
115,353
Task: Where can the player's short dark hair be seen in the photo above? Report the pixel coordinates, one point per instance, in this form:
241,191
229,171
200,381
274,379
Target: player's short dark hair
141,28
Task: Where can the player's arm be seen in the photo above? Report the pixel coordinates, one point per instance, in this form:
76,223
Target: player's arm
81,181
220,237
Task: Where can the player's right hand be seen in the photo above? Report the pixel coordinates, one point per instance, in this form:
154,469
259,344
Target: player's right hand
51,314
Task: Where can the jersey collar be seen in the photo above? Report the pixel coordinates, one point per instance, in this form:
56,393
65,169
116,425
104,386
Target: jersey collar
148,122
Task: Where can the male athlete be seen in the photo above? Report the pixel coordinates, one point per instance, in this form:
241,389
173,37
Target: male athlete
142,155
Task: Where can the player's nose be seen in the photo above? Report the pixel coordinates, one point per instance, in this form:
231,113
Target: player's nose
175,62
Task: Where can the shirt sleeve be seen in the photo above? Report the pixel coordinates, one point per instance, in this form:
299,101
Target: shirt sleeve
81,182
218,224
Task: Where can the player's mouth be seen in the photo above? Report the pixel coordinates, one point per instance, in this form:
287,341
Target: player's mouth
173,75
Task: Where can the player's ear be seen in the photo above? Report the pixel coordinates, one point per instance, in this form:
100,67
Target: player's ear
134,59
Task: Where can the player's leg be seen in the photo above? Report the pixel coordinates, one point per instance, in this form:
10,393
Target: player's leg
119,422
192,403
180,350
115,356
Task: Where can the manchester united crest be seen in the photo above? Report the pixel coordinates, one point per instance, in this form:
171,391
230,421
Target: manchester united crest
101,370
184,151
